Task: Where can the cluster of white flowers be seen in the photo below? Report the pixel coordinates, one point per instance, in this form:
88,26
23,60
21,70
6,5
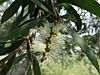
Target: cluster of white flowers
57,40
45,31
38,45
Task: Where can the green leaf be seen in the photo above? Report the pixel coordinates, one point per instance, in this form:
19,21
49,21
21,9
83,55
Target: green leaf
16,60
89,5
38,3
70,17
23,30
31,9
2,61
36,66
13,8
5,69
6,50
19,58
1,1
29,70
84,47
17,21
48,4
71,10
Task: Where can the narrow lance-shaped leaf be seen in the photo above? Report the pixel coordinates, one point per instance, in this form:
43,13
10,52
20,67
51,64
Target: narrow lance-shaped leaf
2,61
29,70
84,47
22,30
17,20
49,5
89,5
5,50
19,58
12,9
37,2
71,10
31,9
5,69
36,66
